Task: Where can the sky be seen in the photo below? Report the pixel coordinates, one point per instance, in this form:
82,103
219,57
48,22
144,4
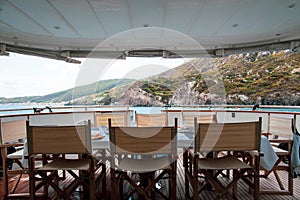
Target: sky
23,75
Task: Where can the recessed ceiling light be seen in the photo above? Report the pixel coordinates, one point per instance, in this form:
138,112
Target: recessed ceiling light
56,27
292,5
234,25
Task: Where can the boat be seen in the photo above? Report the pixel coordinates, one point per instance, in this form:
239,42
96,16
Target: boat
69,30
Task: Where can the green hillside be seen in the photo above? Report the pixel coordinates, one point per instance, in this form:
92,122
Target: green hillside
268,77
71,94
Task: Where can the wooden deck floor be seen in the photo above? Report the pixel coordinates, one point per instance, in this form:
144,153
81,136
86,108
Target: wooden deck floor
242,192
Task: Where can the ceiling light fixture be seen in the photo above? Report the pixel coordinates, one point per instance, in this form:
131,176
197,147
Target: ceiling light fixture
292,5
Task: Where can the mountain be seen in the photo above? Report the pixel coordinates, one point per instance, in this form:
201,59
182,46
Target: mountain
71,95
269,78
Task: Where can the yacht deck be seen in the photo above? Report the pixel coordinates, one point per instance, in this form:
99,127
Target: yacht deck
242,188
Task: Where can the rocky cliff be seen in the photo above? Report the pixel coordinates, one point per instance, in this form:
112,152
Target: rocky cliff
270,78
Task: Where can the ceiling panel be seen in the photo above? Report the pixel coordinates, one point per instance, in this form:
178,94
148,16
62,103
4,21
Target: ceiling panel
271,21
80,17
212,16
181,14
74,27
145,12
245,17
55,25
112,11
6,27
18,20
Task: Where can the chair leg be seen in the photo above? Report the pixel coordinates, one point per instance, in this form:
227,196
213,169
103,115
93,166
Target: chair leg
92,187
186,171
290,176
31,180
173,177
195,183
4,171
113,184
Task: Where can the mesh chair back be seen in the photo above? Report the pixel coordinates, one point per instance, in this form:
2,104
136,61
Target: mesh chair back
228,136
59,139
144,120
283,127
12,130
117,119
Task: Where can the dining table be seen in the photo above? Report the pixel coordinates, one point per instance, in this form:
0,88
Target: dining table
185,139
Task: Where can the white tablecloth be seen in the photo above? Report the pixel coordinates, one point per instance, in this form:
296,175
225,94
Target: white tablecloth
186,139
270,157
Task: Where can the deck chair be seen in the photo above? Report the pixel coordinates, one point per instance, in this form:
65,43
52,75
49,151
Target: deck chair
217,137
150,153
280,131
188,120
144,120
70,147
12,133
117,119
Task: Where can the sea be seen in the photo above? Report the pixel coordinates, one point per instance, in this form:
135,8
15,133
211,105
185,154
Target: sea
14,109
27,108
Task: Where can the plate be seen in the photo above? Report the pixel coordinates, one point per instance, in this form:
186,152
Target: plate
97,136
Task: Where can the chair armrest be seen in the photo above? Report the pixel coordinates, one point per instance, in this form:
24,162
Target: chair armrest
192,153
281,140
32,156
256,153
266,134
11,145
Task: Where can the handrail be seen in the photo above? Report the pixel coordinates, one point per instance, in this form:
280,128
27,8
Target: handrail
126,108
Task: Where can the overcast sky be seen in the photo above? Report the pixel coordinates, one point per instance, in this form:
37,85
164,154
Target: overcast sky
28,75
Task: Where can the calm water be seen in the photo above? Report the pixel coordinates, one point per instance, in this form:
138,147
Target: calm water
28,109
144,110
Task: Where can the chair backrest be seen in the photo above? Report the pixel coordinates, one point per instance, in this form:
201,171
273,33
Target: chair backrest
282,127
61,119
117,119
59,139
188,120
228,136
144,120
12,130
143,140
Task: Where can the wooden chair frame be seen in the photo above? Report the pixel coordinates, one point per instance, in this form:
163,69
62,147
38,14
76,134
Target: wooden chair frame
11,133
61,141
280,130
196,165
125,143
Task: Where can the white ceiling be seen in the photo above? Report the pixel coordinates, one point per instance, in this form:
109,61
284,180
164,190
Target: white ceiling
63,29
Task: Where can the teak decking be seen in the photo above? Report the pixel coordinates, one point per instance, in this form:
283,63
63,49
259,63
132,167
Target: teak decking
242,188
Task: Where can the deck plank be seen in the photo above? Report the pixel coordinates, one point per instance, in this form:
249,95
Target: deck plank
242,188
